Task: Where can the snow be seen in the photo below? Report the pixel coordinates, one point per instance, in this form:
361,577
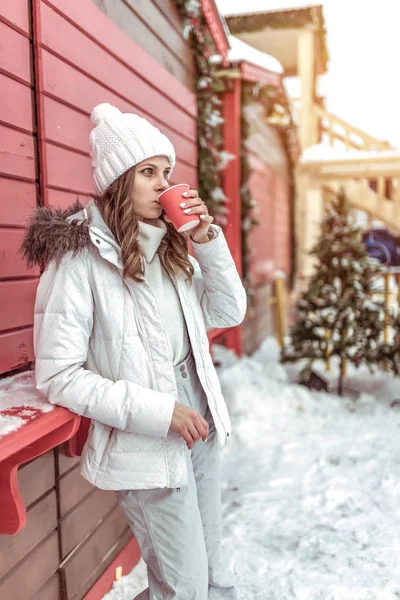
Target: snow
241,51
324,152
310,484
20,402
129,586
238,7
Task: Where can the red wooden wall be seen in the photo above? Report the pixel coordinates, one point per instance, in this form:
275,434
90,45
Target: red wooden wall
57,61
271,239
81,58
157,27
85,59
18,176
270,244
283,244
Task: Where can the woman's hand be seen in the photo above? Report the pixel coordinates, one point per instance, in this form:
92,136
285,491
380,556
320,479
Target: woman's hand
189,424
192,204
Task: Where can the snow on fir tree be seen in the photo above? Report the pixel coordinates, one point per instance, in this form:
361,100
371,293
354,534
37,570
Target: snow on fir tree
339,314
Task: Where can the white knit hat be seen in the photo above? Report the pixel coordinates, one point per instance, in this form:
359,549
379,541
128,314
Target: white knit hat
120,141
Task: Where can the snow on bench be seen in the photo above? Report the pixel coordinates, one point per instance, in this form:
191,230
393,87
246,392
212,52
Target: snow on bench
29,427
20,402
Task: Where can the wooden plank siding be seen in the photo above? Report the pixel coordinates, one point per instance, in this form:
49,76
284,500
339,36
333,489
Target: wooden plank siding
270,241
33,572
157,29
16,348
19,298
18,183
17,158
17,201
262,236
37,478
50,590
16,15
66,463
168,9
82,63
42,521
260,319
22,572
108,35
81,527
83,567
73,489
91,525
84,518
15,55
282,225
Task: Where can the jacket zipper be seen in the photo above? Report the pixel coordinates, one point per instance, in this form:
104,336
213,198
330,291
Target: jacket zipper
142,331
143,336
205,371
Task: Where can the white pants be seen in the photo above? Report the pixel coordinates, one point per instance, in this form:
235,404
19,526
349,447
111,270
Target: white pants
179,530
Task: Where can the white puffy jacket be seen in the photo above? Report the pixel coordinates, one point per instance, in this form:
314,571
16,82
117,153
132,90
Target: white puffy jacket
101,347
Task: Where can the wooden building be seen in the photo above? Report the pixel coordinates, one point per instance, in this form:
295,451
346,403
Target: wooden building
267,142
60,538
370,177
272,154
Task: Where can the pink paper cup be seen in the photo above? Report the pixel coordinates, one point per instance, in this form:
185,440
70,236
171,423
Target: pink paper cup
170,200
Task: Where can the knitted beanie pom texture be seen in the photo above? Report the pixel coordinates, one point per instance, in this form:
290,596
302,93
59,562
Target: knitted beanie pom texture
119,141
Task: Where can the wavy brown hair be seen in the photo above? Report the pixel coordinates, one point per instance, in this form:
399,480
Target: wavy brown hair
116,207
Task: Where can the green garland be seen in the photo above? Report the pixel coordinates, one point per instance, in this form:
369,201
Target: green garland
211,157
268,97
247,203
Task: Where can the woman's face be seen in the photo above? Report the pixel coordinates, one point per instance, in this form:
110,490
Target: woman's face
151,178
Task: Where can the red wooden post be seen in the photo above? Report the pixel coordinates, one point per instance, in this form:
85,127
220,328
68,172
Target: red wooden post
232,180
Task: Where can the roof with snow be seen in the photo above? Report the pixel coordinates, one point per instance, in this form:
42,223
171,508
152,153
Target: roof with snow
324,153
239,51
334,163
276,32
238,7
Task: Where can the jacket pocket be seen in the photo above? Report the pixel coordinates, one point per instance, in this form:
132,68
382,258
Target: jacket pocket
111,441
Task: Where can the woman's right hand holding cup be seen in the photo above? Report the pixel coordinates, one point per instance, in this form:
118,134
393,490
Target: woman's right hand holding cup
189,424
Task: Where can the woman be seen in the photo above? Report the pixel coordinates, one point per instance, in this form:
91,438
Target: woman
120,337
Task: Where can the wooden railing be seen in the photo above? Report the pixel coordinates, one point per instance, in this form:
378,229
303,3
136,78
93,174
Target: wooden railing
379,195
350,136
338,129
353,138
363,198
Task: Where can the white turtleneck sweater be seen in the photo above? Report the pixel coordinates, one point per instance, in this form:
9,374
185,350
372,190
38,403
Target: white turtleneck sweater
166,296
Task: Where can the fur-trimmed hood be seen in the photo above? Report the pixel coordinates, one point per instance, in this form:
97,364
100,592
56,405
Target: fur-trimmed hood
54,232
51,234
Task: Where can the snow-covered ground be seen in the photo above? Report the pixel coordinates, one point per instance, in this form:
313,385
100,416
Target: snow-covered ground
310,486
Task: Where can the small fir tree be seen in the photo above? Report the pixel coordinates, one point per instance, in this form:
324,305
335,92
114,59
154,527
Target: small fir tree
338,315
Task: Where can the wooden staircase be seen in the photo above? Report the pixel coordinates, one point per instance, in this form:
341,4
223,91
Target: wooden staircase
368,169
340,156
338,129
